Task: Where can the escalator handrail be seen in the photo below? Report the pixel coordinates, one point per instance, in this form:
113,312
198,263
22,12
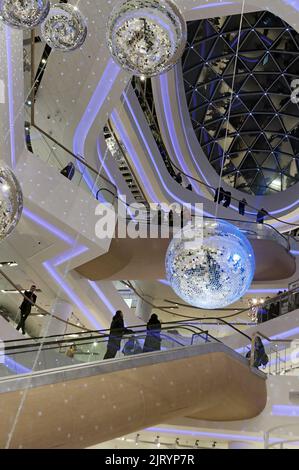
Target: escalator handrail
62,343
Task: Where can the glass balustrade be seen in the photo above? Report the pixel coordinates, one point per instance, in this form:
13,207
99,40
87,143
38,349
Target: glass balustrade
27,355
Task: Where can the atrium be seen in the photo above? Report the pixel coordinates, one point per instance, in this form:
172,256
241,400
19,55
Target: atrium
149,224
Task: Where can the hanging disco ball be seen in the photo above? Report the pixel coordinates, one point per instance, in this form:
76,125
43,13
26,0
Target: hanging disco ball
24,14
65,28
11,201
146,37
211,271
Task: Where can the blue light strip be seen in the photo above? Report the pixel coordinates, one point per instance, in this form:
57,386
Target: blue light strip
285,410
211,5
15,366
102,296
49,227
217,435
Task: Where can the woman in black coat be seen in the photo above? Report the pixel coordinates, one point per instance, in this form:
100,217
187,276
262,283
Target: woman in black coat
153,336
117,330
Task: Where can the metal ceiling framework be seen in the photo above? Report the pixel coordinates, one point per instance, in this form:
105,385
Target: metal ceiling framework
261,151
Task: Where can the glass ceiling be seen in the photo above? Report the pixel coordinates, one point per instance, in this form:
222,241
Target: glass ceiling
261,149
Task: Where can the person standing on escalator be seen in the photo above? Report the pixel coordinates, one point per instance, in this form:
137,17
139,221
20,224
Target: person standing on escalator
117,330
25,307
153,336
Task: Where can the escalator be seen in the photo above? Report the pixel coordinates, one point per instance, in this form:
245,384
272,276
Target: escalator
82,400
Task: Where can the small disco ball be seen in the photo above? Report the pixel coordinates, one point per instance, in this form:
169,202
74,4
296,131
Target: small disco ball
146,37
24,14
212,270
65,28
11,201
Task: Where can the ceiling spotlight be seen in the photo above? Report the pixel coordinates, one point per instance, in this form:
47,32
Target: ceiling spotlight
142,78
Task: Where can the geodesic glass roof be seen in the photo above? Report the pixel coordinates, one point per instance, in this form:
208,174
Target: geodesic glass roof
254,131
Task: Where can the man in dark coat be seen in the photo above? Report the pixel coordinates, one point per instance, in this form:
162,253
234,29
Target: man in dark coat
117,330
153,336
25,307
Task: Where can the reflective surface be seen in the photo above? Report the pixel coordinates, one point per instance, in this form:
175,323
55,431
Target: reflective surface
65,28
257,136
213,272
24,14
11,201
146,37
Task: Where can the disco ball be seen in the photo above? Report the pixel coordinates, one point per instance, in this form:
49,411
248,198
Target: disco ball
24,14
214,269
11,201
65,28
146,37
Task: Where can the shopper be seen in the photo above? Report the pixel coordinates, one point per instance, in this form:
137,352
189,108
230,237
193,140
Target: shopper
242,205
219,195
153,336
260,356
117,330
25,307
179,178
132,347
227,198
69,171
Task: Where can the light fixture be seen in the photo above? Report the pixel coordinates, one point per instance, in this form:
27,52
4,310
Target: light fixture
157,441
24,14
11,201
210,266
65,28
146,37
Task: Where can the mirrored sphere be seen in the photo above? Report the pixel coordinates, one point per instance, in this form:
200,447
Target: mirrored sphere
65,28
146,37
24,14
213,270
11,201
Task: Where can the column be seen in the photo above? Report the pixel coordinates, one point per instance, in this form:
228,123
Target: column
52,326
144,309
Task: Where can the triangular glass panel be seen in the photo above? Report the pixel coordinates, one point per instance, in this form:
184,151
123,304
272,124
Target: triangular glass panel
269,67
251,85
268,20
249,125
286,43
262,143
275,125
284,161
193,59
191,30
271,163
260,157
290,121
252,42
